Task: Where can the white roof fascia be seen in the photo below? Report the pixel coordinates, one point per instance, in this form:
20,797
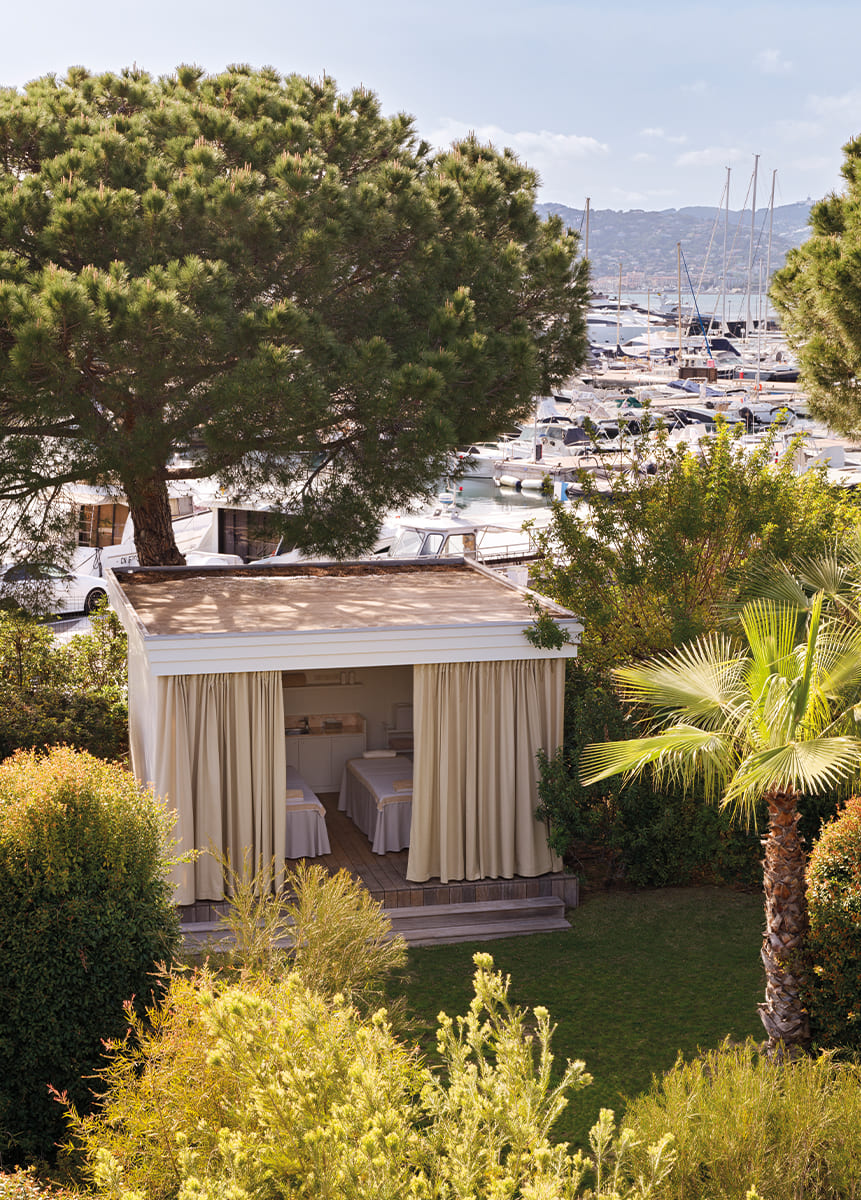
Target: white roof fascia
285,650
204,654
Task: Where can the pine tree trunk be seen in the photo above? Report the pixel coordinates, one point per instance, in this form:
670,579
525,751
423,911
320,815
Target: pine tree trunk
149,507
783,1013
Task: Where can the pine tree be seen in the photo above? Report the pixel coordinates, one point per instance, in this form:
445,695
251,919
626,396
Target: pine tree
264,280
818,296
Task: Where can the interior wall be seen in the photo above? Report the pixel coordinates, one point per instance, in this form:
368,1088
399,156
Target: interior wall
373,693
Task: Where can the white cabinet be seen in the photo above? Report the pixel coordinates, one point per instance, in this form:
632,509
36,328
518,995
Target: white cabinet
320,756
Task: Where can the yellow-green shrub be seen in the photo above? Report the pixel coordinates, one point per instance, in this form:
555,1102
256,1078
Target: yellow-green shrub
85,914
266,1089
741,1121
833,986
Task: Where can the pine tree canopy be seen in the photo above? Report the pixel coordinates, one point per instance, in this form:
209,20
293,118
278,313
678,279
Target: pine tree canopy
818,294
274,274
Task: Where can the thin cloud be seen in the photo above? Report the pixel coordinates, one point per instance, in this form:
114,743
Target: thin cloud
661,135
530,144
711,156
847,105
772,62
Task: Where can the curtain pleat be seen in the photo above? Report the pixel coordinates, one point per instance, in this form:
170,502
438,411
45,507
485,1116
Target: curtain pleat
221,764
478,728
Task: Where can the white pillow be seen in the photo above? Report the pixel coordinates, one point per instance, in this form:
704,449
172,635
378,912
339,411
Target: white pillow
380,754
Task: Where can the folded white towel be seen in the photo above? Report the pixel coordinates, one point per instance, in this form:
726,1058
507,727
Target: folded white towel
380,754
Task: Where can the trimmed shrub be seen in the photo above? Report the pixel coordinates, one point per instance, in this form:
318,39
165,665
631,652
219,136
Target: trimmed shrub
86,913
833,986
740,1121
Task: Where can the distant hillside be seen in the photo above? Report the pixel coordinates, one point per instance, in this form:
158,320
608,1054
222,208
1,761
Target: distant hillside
645,244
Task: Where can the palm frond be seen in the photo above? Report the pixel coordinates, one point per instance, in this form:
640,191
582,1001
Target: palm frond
701,681
770,629
678,754
831,573
838,658
773,581
802,689
806,766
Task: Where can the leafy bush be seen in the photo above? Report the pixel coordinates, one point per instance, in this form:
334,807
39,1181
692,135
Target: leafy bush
833,986
97,661
54,694
85,914
94,722
739,1120
649,838
268,1089
653,565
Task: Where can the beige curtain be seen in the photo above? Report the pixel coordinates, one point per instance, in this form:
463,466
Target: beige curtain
221,764
478,727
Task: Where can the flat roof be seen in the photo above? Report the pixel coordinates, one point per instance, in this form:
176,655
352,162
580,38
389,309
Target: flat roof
302,597
205,619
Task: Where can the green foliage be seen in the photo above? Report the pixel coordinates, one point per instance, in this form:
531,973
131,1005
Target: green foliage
85,914
326,928
817,295
650,837
54,694
545,633
27,652
833,986
268,1090
740,1121
271,271
91,721
656,563
97,661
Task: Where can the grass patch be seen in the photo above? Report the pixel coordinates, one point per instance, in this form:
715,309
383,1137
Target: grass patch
641,977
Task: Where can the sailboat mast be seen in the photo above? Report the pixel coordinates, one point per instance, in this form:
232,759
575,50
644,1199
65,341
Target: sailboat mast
619,311
586,252
725,232
759,330
679,258
768,253
752,238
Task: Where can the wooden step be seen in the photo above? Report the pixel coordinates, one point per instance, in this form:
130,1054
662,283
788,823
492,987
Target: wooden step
441,924
437,924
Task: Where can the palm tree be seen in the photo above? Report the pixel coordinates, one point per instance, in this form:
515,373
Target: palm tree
769,721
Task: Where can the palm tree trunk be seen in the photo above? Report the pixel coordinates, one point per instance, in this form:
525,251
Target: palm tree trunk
783,1013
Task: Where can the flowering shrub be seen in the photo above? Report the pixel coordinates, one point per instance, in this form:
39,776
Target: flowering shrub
267,1089
834,942
23,1185
85,914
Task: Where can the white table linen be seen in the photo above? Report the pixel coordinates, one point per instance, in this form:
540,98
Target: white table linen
306,820
369,798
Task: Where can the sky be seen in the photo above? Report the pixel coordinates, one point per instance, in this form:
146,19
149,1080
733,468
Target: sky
634,104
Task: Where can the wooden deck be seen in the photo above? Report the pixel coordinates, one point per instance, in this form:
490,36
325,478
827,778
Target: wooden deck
385,876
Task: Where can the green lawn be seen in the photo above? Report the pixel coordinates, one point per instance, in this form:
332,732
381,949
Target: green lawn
641,976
